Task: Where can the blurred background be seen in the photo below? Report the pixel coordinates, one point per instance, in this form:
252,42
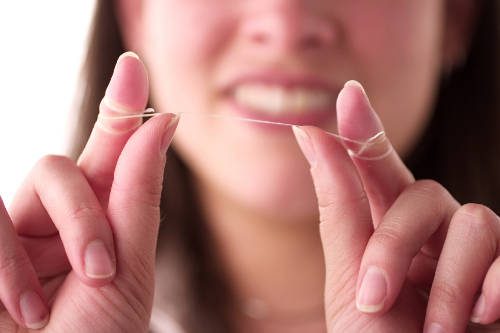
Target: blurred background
42,45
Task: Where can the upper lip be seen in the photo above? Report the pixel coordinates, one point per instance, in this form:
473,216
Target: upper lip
285,80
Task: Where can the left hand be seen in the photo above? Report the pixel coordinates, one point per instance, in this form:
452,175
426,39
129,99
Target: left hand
412,237
80,238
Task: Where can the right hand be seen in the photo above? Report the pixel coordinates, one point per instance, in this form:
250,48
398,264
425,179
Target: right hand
108,200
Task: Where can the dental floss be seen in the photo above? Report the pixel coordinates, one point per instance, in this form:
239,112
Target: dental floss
363,146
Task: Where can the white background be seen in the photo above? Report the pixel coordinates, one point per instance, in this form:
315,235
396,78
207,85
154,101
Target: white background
42,44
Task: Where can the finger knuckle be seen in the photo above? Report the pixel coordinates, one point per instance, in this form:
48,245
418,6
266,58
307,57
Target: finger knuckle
480,212
476,216
429,189
446,293
388,239
147,199
149,193
85,211
52,162
153,191
330,206
12,263
478,222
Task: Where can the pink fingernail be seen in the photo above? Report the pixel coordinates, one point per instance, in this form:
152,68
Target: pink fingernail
33,310
478,311
354,83
98,263
372,292
129,84
128,54
305,144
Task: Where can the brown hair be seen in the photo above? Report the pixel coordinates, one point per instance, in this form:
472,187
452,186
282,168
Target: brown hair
460,146
458,150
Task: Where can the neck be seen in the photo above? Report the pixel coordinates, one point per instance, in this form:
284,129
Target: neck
276,268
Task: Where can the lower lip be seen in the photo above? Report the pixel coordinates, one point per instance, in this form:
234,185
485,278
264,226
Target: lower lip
318,118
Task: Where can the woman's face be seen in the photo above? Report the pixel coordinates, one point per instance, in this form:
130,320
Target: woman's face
285,60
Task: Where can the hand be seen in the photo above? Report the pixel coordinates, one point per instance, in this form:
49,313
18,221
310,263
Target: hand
389,241
81,238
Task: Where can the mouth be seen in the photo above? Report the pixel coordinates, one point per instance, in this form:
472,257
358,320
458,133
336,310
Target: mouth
276,98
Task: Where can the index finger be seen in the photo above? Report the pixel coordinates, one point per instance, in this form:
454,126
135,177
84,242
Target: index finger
345,221
383,173
127,93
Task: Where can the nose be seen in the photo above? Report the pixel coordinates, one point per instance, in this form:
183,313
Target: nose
288,25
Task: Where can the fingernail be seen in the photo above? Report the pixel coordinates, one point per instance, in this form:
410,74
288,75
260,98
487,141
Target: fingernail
128,54
98,263
169,131
305,144
373,291
478,311
434,328
33,310
354,83
128,86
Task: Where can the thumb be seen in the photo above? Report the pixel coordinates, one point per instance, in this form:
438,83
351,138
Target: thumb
345,220
133,208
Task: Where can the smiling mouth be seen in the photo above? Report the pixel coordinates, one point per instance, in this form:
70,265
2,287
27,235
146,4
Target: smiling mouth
294,104
273,99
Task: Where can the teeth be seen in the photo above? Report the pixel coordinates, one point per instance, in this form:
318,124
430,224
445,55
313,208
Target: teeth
275,99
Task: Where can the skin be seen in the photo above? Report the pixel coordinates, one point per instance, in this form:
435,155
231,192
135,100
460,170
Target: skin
274,203
372,212
210,58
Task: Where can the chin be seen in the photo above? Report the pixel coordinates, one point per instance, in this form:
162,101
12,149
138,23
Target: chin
257,169
270,189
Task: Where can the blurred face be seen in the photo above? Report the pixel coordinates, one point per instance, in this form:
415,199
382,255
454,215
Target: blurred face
282,60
